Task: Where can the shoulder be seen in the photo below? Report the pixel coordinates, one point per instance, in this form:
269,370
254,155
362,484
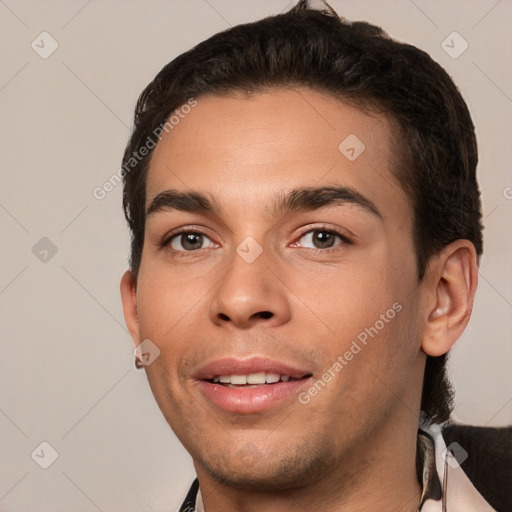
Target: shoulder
485,456
189,505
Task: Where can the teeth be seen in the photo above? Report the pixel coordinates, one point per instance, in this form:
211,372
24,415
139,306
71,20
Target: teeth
253,378
256,378
238,379
270,378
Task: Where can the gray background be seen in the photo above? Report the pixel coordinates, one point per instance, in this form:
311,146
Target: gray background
66,373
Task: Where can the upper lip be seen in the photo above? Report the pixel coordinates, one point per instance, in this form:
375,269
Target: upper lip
247,366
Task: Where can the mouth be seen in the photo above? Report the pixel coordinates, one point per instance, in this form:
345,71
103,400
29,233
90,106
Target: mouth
252,380
251,385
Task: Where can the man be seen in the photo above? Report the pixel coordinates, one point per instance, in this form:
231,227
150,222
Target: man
305,222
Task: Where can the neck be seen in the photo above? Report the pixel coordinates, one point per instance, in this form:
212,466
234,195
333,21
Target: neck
378,475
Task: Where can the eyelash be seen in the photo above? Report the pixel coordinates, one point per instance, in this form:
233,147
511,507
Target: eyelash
166,243
345,240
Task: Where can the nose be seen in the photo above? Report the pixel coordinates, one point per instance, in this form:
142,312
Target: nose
250,294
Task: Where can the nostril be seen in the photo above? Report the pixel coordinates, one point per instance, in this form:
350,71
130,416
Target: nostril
265,315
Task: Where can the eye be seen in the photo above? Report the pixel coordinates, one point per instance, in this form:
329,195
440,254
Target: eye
190,241
321,239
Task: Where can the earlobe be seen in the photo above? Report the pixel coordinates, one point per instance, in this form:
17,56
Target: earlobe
129,299
451,282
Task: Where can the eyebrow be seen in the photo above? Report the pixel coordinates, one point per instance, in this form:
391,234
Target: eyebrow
298,199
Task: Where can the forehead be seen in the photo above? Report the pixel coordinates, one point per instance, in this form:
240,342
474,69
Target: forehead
238,146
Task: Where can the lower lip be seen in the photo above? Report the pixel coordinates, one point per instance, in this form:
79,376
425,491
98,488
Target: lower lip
251,400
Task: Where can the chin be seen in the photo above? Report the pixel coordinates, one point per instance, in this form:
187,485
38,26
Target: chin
250,470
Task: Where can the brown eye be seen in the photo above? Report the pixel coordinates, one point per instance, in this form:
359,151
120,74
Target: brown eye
320,239
190,241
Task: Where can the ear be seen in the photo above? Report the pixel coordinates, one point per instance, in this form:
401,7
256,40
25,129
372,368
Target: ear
129,300
451,283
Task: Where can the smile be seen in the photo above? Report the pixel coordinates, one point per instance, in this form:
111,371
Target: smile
250,386
253,379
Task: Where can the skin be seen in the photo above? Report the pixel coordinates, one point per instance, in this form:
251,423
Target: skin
352,446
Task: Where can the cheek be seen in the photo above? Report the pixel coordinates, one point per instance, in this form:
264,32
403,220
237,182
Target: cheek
364,313
166,318
167,300
345,301
368,373
167,312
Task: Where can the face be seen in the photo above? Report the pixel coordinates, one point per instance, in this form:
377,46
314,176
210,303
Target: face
278,280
